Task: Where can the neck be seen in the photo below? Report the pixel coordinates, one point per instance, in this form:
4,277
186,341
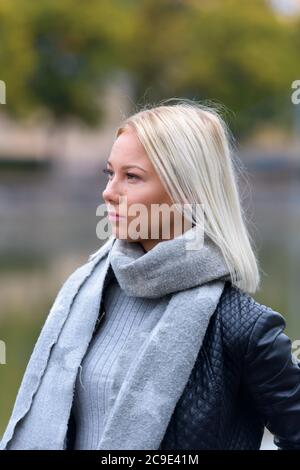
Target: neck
149,243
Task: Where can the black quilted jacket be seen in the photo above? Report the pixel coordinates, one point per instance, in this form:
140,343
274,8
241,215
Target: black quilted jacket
244,378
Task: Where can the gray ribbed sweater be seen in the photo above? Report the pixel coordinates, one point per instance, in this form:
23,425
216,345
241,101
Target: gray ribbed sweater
127,322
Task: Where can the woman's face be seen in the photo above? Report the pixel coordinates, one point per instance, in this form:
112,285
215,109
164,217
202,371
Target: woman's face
132,179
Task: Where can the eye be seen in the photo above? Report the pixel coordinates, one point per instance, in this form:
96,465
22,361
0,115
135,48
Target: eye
110,172
107,172
131,175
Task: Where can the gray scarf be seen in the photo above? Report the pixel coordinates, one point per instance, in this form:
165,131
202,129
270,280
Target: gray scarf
167,268
194,281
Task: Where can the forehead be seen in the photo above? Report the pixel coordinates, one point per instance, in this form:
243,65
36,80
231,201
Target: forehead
127,149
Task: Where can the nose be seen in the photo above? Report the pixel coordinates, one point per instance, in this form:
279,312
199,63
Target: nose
112,193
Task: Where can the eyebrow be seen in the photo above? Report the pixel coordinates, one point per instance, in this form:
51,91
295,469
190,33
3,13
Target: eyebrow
125,167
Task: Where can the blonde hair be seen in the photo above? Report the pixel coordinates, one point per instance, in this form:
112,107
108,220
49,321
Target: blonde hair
190,147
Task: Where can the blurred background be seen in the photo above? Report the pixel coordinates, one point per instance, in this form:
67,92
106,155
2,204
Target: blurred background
71,71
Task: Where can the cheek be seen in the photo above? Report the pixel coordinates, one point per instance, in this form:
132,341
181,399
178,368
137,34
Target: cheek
155,194
147,195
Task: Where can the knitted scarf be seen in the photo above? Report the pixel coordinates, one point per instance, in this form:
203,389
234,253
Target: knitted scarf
193,280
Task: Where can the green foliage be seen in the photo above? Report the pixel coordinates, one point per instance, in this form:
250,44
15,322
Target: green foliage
243,56
57,55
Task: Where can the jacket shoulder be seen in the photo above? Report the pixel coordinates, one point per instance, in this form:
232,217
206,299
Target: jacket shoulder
241,317
257,350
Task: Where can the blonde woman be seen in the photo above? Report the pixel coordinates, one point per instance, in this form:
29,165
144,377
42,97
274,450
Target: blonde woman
156,342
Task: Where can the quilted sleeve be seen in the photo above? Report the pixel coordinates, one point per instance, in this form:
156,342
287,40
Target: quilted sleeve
272,378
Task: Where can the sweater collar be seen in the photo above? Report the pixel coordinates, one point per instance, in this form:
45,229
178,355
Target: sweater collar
170,266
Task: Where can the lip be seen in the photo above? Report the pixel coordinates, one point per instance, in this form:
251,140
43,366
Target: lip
115,216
